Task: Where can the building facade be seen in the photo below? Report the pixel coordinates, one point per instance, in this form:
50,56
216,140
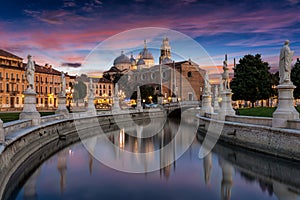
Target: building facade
181,80
13,83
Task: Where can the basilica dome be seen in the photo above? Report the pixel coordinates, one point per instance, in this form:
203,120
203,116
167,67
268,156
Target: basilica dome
122,59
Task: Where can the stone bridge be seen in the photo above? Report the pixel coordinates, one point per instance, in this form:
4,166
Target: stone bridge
175,108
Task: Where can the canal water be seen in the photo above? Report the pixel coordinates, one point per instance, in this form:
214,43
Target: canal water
226,173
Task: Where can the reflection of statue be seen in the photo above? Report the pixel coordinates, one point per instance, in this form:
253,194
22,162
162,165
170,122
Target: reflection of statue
63,83
286,56
91,86
225,75
207,86
116,90
29,72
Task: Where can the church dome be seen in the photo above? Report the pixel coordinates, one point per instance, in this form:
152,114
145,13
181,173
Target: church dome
145,54
141,62
132,60
166,60
122,59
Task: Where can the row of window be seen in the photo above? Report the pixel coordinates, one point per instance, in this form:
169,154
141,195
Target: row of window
103,87
102,93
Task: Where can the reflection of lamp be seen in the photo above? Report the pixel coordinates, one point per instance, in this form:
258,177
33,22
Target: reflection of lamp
169,99
122,138
143,100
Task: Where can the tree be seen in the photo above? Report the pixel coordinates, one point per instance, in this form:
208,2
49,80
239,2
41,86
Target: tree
295,76
79,90
252,80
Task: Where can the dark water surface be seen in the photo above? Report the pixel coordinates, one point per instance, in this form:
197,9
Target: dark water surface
226,173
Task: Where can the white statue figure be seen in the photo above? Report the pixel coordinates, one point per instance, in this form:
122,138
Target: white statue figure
285,60
63,83
221,84
29,73
91,90
225,75
207,86
116,90
216,91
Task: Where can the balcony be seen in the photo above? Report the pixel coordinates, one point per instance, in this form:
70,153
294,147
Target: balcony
13,79
18,79
1,91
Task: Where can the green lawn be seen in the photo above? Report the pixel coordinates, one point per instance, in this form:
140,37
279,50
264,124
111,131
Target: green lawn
7,117
259,111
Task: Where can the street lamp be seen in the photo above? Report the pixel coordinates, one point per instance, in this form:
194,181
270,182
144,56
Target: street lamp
150,98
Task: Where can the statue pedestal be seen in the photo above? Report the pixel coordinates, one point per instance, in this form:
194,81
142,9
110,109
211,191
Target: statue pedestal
206,105
29,109
160,100
285,109
216,105
62,109
91,106
139,104
116,105
226,104
174,99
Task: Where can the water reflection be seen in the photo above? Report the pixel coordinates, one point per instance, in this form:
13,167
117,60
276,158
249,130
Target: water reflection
226,173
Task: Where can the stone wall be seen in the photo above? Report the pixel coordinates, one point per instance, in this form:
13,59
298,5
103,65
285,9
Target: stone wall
279,142
23,144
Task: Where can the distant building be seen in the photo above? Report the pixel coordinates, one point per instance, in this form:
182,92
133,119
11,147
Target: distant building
103,89
181,80
13,83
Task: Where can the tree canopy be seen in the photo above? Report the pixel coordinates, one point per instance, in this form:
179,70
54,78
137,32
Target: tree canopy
252,80
295,76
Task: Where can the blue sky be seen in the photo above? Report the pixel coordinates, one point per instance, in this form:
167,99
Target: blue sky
65,31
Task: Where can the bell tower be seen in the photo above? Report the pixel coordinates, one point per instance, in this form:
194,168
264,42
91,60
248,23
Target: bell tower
165,50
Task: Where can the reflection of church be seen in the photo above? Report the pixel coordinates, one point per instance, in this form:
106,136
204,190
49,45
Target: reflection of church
183,79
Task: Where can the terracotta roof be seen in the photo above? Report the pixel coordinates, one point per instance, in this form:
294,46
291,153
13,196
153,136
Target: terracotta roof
9,55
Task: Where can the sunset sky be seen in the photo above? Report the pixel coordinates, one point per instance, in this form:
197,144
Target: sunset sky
64,32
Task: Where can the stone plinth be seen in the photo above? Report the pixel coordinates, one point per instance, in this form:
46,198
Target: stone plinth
139,104
116,105
206,105
285,109
226,104
2,136
91,106
62,109
160,100
29,109
174,99
216,105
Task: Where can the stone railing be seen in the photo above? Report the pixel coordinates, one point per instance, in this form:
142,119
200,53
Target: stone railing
50,118
264,121
293,124
16,125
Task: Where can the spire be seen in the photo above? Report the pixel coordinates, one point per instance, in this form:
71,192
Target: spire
122,52
225,57
234,63
145,44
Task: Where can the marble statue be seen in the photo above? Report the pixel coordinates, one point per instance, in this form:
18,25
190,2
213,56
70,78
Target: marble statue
63,83
91,86
29,73
216,91
225,75
116,90
285,60
207,86
221,84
